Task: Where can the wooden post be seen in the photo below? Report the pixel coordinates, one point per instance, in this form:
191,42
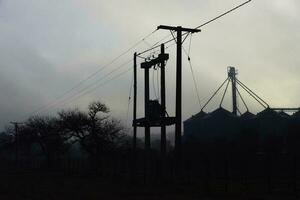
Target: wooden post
178,108
134,101
163,138
147,98
134,153
147,127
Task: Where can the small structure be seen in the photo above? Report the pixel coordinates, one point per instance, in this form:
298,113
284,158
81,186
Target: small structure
155,112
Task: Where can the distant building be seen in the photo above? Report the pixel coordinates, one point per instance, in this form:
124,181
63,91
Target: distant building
270,122
222,124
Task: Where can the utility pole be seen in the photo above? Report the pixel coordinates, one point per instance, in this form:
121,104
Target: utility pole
178,108
134,100
163,138
133,161
147,98
16,125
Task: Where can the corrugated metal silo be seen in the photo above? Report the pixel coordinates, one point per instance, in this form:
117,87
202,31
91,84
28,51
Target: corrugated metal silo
269,122
219,124
248,121
191,124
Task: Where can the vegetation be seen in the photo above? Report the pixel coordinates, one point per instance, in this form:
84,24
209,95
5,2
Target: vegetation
52,137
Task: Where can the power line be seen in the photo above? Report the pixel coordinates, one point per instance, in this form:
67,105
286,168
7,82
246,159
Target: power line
98,86
193,76
64,100
129,99
204,24
154,52
225,13
94,73
158,42
128,50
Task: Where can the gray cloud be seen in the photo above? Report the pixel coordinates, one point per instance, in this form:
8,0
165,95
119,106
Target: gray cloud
48,46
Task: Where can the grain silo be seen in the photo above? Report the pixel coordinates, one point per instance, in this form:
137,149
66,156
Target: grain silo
296,116
223,124
270,122
220,124
191,125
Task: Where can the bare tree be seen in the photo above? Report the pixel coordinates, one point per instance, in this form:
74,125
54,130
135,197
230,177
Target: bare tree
45,132
95,131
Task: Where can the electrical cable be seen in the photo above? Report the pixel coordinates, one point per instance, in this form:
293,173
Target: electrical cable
147,43
63,100
132,47
129,99
204,24
161,40
186,36
100,85
225,13
192,70
193,76
93,74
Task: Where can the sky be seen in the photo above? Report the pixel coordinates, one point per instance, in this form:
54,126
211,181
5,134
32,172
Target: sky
49,46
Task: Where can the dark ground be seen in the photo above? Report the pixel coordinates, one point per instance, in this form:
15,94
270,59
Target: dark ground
44,186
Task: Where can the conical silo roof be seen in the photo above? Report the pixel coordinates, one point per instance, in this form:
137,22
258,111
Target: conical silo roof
199,115
296,115
266,113
271,123
192,124
284,115
247,115
221,124
220,113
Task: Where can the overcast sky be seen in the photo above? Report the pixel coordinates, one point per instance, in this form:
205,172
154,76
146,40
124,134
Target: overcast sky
48,46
